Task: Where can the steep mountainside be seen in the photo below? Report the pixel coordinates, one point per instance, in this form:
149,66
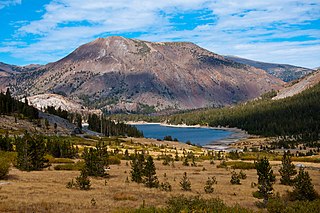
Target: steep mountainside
9,72
283,71
119,74
298,87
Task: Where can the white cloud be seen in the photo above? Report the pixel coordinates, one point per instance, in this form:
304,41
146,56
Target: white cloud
260,30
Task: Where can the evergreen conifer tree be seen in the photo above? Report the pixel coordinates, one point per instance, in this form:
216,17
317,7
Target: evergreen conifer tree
303,188
266,178
185,183
137,167
31,151
287,170
150,178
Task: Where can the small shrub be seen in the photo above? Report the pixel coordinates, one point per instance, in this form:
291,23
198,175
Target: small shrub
208,188
70,184
4,168
235,178
223,164
241,165
74,167
124,196
166,186
242,175
82,181
114,160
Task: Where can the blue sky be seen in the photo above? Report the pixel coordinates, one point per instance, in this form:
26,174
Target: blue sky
279,31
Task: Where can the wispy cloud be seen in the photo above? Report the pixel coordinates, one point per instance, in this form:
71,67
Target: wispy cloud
6,3
284,31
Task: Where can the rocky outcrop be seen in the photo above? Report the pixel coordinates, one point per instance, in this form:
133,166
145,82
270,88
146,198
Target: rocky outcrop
299,86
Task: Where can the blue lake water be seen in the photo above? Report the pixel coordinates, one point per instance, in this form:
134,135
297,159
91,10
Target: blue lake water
200,136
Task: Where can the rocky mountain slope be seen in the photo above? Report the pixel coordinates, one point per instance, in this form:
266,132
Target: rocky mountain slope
285,72
44,100
297,87
120,74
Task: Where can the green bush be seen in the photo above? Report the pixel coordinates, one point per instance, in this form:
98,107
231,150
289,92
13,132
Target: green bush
75,167
166,186
4,168
241,165
198,204
114,160
235,178
223,164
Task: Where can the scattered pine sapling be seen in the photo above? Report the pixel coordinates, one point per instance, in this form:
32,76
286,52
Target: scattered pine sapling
185,183
208,188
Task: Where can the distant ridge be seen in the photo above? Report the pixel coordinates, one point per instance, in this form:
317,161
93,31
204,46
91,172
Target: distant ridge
285,72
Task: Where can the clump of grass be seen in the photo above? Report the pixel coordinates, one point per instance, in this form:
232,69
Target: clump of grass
114,160
74,167
240,165
58,160
124,196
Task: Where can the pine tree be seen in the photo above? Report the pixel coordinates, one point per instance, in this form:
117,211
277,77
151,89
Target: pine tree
303,188
150,178
287,170
266,178
96,160
31,151
137,167
185,183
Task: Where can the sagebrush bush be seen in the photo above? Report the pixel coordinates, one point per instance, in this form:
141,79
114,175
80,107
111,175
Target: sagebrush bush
114,160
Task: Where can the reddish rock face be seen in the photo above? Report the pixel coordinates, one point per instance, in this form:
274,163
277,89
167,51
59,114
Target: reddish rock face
116,73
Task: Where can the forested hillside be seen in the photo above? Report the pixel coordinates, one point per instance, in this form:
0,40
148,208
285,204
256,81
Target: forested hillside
8,106
296,116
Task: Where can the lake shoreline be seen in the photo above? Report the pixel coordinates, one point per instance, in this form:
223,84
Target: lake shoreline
219,144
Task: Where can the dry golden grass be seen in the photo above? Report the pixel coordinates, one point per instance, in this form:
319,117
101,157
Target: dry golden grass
45,191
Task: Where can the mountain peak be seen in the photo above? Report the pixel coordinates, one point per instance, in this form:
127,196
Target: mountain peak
121,74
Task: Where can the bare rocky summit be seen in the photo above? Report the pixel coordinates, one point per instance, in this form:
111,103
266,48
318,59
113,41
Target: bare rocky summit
120,74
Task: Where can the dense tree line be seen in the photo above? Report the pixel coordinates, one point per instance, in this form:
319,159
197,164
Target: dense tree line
296,116
111,128
9,105
59,148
